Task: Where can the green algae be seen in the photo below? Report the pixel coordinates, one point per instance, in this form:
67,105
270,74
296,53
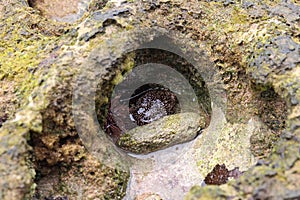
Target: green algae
30,61
226,38
165,132
209,193
22,48
233,42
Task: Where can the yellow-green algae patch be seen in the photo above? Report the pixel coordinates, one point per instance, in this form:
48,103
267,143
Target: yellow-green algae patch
216,30
26,39
32,58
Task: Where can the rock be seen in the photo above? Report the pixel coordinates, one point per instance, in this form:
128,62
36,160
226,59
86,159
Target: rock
160,134
40,58
148,197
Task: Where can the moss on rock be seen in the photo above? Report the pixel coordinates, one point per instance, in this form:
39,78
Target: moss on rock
251,43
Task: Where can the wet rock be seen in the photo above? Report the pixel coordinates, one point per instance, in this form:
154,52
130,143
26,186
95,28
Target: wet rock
27,40
153,105
160,134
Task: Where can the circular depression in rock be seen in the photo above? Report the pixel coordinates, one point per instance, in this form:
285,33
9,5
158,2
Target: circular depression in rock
159,102
117,58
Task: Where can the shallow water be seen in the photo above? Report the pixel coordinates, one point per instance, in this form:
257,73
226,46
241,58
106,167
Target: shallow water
172,174
173,171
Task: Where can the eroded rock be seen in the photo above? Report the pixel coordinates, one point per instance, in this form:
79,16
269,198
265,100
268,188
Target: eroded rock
166,132
41,57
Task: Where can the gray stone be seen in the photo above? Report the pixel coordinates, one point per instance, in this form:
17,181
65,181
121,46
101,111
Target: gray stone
168,131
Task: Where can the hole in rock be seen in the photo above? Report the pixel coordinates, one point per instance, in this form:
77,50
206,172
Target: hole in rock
148,102
151,102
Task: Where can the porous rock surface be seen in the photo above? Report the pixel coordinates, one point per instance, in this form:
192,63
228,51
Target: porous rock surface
254,45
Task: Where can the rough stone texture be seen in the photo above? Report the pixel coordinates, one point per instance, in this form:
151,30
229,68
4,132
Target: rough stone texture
148,197
41,153
254,45
226,143
168,131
